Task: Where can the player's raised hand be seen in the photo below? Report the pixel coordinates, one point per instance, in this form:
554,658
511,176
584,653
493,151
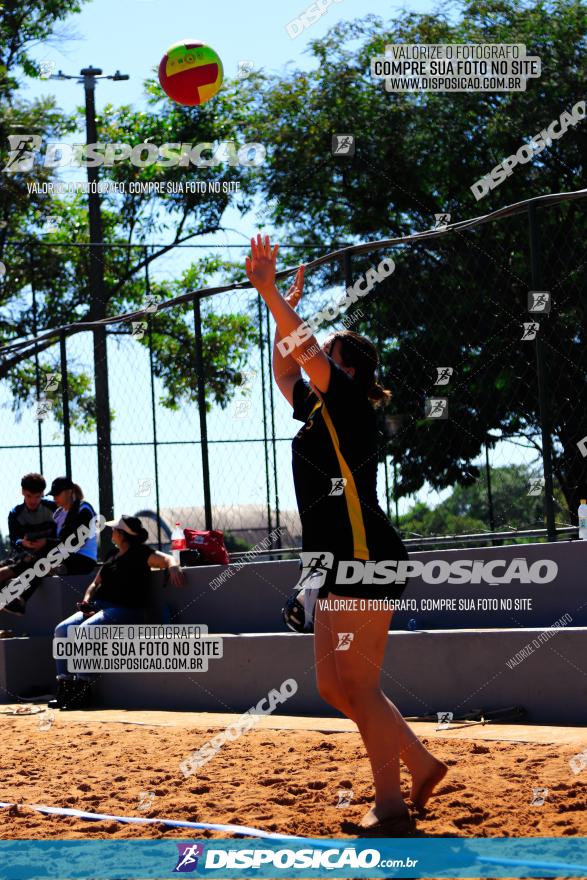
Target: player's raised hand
260,266
294,294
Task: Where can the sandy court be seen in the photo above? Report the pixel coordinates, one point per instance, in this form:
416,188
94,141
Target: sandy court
286,779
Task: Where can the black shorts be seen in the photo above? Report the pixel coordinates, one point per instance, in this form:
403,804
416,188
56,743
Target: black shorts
359,590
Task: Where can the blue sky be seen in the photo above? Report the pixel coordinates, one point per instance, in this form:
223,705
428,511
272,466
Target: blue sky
131,36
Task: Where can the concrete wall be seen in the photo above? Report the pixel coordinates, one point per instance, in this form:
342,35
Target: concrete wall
252,598
459,663
424,672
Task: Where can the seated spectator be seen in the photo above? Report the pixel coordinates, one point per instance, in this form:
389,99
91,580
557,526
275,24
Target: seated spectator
72,513
117,595
30,526
67,515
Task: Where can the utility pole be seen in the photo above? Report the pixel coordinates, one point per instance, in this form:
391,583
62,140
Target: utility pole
99,300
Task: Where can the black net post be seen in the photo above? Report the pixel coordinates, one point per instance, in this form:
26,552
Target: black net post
273,434
201,385
541,375
153,402
37,369
65,402
265,431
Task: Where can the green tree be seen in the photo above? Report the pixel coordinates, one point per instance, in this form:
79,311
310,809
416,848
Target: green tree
458,299
466,509
57,263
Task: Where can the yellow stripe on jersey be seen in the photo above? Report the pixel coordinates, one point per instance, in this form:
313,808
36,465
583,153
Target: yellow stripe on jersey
351,495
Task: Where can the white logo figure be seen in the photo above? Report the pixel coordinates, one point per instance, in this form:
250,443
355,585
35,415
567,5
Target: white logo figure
539,301
578,762
436,408
338,484
539,795
138,329
442,221
43,409
50,224
46,719
144,487
46,68
530,331
244,69
247,379
444,719
241,409
343,145
344,641
146,799
536,486
51,382
189,856
345,796
152,301
444,374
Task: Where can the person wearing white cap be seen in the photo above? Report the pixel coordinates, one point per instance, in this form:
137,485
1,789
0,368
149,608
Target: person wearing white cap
117,595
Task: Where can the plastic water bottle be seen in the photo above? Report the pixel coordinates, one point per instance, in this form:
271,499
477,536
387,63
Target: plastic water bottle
177,541
582,512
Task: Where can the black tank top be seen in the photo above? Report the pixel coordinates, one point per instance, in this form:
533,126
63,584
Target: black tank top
334,458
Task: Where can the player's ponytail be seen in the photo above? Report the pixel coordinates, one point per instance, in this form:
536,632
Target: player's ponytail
378,395
359,352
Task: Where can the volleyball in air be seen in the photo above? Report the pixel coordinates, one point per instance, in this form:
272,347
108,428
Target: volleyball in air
190,73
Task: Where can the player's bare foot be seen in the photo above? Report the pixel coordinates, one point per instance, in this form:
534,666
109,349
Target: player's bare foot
424,784
378,815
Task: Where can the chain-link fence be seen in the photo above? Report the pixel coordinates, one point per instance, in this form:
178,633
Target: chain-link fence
482,331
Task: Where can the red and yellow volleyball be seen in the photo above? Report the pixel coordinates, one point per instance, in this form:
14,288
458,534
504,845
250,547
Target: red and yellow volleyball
190,73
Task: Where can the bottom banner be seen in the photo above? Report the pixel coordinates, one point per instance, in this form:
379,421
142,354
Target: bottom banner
294,857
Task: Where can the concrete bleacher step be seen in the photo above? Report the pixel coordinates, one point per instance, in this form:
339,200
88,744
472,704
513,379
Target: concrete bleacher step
423,672
25,663
446,668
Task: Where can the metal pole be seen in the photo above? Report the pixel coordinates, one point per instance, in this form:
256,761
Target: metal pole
348,269
541,374
489,494
153,404
99,301
395,493
201,383
386,468
265,438
37,370
273,435
65,403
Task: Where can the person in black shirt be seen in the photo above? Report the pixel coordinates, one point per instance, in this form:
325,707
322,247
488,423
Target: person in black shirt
117,595
30,528
337,449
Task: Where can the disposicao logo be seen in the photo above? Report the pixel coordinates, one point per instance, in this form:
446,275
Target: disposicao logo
187,859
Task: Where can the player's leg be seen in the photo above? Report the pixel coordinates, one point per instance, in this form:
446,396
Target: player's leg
359,671
327,680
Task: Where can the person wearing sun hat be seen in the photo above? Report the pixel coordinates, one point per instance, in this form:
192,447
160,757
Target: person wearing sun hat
118,595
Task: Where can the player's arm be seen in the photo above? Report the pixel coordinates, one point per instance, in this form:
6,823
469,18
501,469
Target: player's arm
285,369
304,349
